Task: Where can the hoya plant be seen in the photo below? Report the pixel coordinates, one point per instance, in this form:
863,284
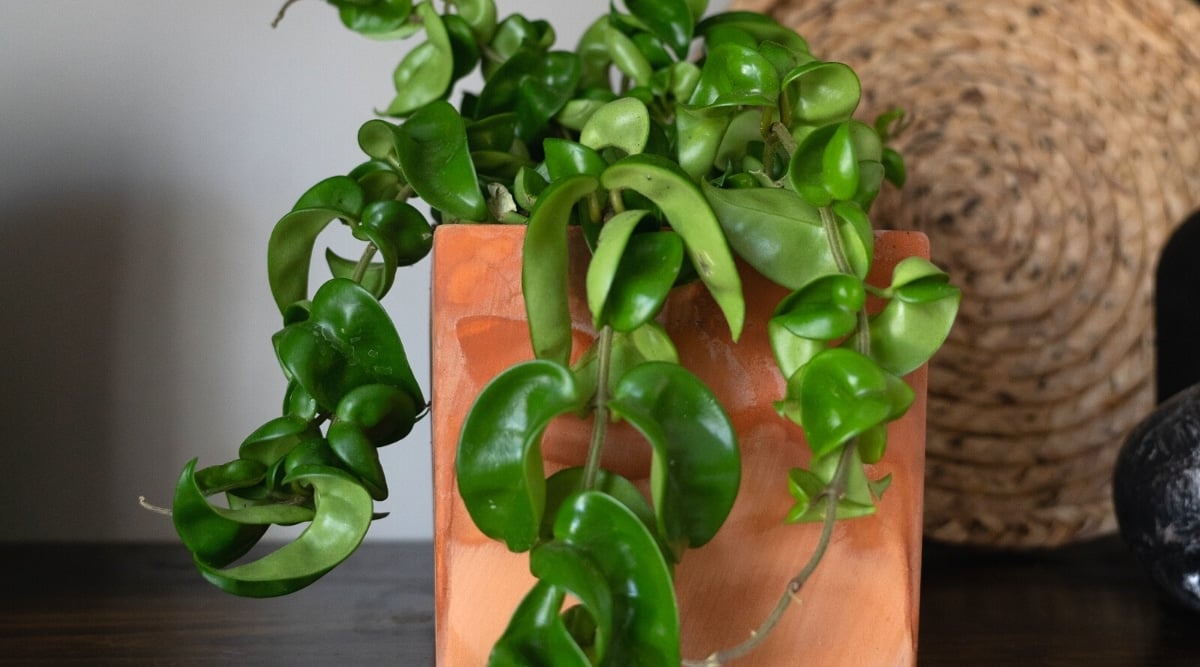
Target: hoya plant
675,142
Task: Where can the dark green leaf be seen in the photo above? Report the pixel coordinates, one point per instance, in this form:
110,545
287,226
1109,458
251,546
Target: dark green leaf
290,248
436,162
733,76
536,635
567,158
276,438
343,513
696,467
842,394
825,309
202,529
499,464
821,92
358,456
913,326
669,20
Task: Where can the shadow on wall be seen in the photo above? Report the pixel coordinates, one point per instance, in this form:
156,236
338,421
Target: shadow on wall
61,258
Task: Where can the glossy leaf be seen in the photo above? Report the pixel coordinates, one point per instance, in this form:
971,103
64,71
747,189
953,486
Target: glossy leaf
570,569
425,73
384,19
839,164
290,248
791,353
358,457
645,614
696,466
536,635
761,26
643,280
649,342
276,438
825,309
480,15
544,271
669,20
383,412
433,153
567,158
809,488
689,214
534,84
775,231
462,45
203,530
564,484
499,464
377,138
734,76
914,324
821,92
623,123
843,393
343,513
627,56
602,270
348,341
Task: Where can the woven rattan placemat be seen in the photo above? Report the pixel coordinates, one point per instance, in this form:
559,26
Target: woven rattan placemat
1053,148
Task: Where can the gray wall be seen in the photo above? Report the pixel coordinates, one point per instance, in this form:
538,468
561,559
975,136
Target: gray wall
146,149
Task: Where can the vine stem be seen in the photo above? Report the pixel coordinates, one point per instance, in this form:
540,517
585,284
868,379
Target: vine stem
829,223
600,425
832,494
364,263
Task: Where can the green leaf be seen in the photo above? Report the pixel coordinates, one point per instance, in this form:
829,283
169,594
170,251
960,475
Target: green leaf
343,514
825,309
499,464
842,394
544,271
534,84
893,167
348,341
383,412
564,484
669,20
734,76
626,55
434,155
696,467
276,438
425,73
205,532
374,279
761,26
775,231
385,19
536,635
480,15
821,92
689,214
567,158
623,123
914,324
840,164
570,569
643,279
602,270
645,615
377,138
289,251
358,457
700,134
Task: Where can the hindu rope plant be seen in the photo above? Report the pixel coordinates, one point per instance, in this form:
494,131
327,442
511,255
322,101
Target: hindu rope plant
674,142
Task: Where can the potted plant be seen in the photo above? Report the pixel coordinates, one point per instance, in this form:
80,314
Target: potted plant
670,158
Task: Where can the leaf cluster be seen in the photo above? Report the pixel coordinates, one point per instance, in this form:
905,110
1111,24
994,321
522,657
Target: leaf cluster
676,143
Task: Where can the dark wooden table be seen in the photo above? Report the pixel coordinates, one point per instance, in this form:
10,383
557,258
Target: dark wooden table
144,604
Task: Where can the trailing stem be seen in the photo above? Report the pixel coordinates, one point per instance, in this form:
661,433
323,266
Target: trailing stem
832,495
829,223
600,425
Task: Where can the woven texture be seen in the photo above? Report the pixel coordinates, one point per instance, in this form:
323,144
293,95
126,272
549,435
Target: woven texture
1053,148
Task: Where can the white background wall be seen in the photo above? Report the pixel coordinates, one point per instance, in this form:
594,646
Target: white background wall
146,150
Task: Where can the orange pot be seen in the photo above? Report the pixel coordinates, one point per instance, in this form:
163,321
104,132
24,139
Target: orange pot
859,609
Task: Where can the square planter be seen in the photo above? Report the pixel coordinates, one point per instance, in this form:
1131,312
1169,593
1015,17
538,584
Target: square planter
860,609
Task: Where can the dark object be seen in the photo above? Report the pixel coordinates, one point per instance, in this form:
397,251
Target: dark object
1156,492
136,604
1177,310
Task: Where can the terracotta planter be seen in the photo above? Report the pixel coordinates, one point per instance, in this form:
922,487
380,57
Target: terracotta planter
860,609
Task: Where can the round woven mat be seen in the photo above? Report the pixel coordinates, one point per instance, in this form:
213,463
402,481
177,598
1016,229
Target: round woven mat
1053,148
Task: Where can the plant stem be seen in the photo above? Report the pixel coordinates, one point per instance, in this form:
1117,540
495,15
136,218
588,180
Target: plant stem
832,495
364,263
829,223
600,425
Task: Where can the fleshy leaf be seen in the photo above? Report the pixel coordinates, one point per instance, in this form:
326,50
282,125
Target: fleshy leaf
343,513
696,466
499,464
434,155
